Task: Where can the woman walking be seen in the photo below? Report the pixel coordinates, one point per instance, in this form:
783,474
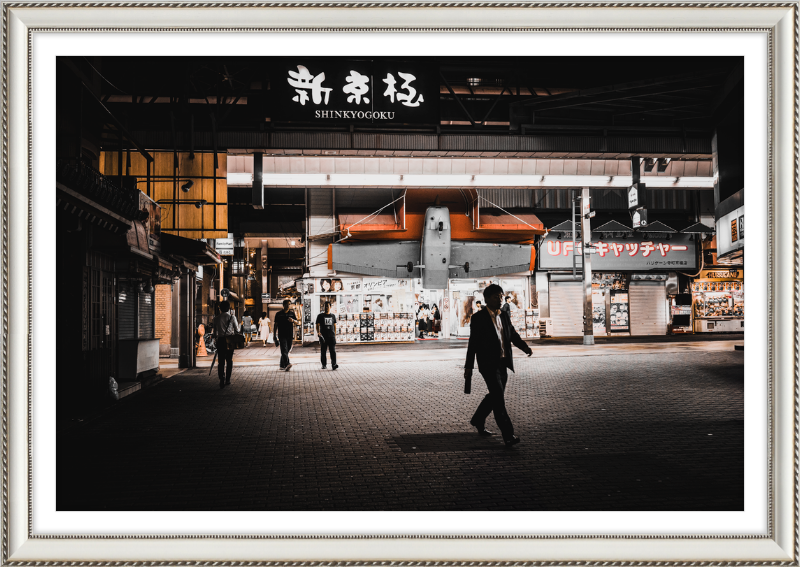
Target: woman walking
263,328
247,327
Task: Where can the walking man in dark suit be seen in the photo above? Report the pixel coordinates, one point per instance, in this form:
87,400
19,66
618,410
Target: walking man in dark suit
285,322
490,337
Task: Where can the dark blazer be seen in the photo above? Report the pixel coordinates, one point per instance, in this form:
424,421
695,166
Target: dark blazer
484,343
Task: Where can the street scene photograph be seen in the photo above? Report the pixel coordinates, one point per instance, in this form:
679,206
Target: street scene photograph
440,283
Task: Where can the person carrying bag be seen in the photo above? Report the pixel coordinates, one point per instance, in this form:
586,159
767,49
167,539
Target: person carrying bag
229,338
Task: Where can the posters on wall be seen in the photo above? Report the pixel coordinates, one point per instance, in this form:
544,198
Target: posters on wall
531,324
467,299
599,312
323,299
609,280
349,303
619,314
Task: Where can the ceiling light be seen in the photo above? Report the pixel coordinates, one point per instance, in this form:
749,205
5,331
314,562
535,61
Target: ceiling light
292,242
186,186
455,180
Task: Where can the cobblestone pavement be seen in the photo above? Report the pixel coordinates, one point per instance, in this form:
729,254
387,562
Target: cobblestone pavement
639,431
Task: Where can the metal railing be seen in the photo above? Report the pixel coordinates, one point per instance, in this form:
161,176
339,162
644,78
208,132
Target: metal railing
82,178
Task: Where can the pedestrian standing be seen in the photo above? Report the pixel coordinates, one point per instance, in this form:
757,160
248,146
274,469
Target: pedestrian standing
263,328
436,316
506,308
247,327
285,322
326,331
490,339
422,316
225,325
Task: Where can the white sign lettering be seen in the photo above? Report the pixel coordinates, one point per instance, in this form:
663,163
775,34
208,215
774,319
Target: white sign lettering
407,97
304,81
358,86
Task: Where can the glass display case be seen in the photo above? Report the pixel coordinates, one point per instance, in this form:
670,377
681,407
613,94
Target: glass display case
718,306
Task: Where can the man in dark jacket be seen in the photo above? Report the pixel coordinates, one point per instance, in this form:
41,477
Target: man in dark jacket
285,322
490,337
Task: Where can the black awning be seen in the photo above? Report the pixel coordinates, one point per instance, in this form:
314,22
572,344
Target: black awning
698,228
658,226
194,251
566,226
613,226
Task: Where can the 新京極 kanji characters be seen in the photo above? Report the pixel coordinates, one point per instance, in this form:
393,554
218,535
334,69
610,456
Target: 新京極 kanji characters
407,97
303,81
358,87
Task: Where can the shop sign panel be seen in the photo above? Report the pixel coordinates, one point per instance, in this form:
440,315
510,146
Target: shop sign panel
730,232
633,196
374,91
721,274
633,253
224,246
348,285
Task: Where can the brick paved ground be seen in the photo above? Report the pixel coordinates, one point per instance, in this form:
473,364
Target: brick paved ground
619,432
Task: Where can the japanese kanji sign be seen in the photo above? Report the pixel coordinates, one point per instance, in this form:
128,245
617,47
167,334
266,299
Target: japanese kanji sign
633,253
335,90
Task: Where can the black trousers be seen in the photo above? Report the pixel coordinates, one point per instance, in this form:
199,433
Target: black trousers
328,343
495,402
224,361
286,347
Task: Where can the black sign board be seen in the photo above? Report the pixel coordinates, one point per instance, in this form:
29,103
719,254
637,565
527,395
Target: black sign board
335,90
639,217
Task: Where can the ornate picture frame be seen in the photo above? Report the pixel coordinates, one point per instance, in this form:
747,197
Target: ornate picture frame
780,21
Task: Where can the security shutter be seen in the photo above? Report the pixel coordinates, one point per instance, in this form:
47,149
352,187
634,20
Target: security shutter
648,308
566,309
147,319
126,312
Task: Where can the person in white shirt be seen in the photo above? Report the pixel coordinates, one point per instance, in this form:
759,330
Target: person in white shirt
491,335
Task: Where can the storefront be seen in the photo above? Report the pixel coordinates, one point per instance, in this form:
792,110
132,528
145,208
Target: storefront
378,310
718,301
368,310
630,276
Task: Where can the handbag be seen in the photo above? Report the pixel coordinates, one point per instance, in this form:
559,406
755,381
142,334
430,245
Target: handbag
236,340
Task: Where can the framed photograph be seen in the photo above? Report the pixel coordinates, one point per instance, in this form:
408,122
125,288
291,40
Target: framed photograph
114,500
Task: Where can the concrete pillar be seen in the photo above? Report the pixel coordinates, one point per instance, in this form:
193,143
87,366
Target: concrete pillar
265,288
173,340
186,322
586,230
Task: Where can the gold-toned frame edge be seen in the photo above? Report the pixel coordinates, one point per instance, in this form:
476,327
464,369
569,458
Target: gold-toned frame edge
5,231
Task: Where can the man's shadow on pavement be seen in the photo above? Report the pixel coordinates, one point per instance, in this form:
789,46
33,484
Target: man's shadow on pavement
446,442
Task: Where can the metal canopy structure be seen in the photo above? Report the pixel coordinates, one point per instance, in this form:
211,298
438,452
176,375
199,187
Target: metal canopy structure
565,226
698,228
614,226
659,227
